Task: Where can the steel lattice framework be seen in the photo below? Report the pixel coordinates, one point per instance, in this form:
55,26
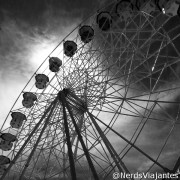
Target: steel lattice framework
121,79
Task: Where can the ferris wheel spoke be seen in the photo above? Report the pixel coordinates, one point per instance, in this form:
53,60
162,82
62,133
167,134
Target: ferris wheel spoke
33,161
127,46
74,61
26,142
134,146
146,109
143,116
143,100
58,80
134,110
59,144
76,160
89,64
36,144
112,82
93,145
166,140
110,107
166,113
74,135
102,159
101,72
145,77
138,131
67,167
61,170
120,165
110,87
156,80
82,142
24,129
54,87
37,159
170,132
97,141
84,54
94,157
156,31
156,92
149,75
47,164
143,61
172,43
53,152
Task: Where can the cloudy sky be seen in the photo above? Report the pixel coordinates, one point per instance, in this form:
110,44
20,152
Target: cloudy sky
30,30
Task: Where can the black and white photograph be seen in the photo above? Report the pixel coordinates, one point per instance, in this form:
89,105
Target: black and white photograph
90,90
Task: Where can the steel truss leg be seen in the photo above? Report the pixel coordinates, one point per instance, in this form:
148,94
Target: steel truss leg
27,140
80,123
110,148
134,146
64,156
70,153
37,142
177,165
80,138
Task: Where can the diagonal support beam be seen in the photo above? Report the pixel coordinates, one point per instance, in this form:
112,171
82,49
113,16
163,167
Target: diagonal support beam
80,138
134,146
177,165
28,139
37,142
70,153
120,165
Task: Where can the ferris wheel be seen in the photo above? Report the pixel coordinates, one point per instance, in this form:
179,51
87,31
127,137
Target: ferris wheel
104,102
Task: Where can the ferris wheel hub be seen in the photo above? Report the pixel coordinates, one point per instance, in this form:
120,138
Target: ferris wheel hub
77,104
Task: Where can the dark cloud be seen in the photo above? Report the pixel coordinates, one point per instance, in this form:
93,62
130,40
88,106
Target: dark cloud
32,11
26,24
